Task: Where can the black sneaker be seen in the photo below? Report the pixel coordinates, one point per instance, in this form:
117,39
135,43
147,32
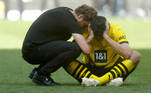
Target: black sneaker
43,80
32,73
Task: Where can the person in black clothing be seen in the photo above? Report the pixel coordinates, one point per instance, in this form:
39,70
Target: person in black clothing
46,42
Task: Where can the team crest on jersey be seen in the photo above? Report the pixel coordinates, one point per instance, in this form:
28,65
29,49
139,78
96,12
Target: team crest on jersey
100,56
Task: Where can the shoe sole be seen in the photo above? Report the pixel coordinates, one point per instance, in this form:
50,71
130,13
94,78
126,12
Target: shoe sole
42,84
116,82
38,82
89,82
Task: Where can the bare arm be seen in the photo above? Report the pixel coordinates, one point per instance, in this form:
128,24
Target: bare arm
122,49
90,36
85,47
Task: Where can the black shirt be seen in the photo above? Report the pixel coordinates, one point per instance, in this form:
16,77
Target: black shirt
55,24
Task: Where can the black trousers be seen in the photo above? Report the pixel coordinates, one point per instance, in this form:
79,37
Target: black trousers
51,56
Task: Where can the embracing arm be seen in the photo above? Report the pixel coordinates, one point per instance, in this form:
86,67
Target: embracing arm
84,44
122,49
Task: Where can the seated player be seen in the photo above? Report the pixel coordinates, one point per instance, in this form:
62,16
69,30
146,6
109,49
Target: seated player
111,57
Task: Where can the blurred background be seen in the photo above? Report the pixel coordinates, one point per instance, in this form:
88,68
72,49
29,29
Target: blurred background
31,9
134,16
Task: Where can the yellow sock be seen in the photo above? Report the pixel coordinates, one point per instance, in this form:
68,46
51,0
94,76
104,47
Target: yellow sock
78,71
129,64
94,77
120,70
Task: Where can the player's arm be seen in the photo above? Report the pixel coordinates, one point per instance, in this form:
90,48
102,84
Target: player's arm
84,44
122,49
90,36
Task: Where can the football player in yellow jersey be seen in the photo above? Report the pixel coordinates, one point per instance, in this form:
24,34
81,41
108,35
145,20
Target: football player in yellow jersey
111,58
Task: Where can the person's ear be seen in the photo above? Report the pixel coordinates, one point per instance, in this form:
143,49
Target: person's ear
80,17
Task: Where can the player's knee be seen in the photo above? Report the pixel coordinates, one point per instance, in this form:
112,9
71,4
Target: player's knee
75,49
135,57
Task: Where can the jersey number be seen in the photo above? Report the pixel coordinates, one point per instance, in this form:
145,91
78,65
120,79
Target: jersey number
100,56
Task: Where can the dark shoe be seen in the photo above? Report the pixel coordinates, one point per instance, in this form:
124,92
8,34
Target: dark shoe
43,80
32,73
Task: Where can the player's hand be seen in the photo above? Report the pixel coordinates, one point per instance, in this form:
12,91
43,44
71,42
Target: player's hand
105,34
90,33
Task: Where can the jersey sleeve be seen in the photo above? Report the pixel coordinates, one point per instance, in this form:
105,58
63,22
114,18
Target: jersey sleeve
119,35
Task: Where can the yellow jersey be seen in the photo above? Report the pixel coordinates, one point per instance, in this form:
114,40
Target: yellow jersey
102,54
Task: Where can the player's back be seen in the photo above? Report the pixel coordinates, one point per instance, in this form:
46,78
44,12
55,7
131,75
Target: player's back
49,26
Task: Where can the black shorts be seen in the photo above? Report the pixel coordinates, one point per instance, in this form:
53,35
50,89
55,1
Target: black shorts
100,70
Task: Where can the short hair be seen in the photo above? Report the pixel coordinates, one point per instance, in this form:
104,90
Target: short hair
88,12
98,25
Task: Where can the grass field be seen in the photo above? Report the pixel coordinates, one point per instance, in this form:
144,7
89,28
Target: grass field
14,70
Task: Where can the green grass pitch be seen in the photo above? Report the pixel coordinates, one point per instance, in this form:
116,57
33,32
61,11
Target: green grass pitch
14,70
